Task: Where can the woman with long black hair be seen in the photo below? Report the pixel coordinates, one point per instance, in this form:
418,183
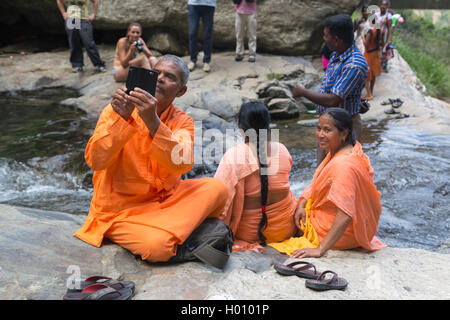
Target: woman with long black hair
260,207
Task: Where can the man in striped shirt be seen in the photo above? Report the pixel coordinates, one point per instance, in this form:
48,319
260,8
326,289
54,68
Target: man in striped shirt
344,77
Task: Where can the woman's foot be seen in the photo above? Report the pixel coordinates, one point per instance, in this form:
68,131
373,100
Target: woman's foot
367,97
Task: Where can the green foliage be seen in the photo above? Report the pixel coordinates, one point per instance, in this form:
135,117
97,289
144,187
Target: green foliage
273,75
425,47
432,72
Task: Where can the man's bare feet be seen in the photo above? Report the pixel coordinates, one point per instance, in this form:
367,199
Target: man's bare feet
367,98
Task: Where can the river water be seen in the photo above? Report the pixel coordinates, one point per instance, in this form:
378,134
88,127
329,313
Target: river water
42,165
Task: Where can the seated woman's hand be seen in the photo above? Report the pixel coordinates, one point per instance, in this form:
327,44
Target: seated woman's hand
300,213
307,253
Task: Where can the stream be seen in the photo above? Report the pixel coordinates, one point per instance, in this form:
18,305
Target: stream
42,165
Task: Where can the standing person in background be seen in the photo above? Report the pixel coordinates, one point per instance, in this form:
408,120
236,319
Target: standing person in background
372,56
344,78
203,9
361,26
127,50
80,34
385,19
245,19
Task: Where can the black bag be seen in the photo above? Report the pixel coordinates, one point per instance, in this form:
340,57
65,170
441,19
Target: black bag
211,242
365,106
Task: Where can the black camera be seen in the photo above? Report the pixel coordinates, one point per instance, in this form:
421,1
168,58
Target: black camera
139,45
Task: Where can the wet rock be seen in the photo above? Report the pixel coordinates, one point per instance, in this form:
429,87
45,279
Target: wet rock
443,190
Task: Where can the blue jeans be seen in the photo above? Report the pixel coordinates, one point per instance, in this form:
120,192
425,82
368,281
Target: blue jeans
206,13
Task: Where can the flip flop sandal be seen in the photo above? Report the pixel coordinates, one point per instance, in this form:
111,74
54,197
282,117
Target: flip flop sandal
386,102
99,292
321,284
391,111
302,272
402,115
115,284
397,104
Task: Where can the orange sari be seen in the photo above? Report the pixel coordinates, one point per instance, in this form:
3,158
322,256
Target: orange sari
239,170
346,182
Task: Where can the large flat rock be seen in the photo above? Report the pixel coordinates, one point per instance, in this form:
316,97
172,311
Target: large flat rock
39,256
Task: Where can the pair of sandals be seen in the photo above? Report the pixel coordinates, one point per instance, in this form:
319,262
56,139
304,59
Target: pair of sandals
396,103
316,280
101,288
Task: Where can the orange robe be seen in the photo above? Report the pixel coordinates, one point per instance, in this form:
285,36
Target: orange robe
139,200
239,169
346,182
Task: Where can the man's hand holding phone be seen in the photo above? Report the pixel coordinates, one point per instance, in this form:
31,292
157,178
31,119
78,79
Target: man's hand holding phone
122,104
146,105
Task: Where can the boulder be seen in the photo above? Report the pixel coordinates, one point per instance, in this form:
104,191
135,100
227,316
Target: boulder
282,108
40,257
291,27
166,42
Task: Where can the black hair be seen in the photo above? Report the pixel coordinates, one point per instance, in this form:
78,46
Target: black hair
342,121
325,51
341,26
365,6
255,115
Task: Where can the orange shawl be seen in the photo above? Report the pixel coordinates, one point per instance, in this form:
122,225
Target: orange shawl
134,172
235,169
346,182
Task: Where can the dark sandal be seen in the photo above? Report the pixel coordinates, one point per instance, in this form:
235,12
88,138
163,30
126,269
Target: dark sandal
321,284
391,111
99,292
303,272
396,104
115,284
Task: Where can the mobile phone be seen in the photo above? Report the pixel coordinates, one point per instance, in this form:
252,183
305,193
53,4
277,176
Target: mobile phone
142,78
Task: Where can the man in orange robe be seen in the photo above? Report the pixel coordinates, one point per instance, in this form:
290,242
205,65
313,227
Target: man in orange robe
140,148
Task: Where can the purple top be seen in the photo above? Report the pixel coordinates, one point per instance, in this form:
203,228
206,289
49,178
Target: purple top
245,7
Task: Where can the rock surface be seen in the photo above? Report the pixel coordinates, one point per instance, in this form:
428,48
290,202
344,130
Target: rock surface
40,257
428,114
290,27
211,97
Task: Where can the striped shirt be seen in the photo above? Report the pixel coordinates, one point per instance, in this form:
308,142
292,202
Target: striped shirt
345,77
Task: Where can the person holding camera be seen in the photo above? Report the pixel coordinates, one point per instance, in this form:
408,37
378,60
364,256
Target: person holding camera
140,148
127,53
245,19
78,25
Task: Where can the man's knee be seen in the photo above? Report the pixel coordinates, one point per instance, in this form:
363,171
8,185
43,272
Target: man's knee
157,246
217,189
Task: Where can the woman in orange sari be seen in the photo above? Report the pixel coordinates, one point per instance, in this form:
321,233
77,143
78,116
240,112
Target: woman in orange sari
260,206
343,203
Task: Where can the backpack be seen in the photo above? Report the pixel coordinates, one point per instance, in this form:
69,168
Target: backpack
211,242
